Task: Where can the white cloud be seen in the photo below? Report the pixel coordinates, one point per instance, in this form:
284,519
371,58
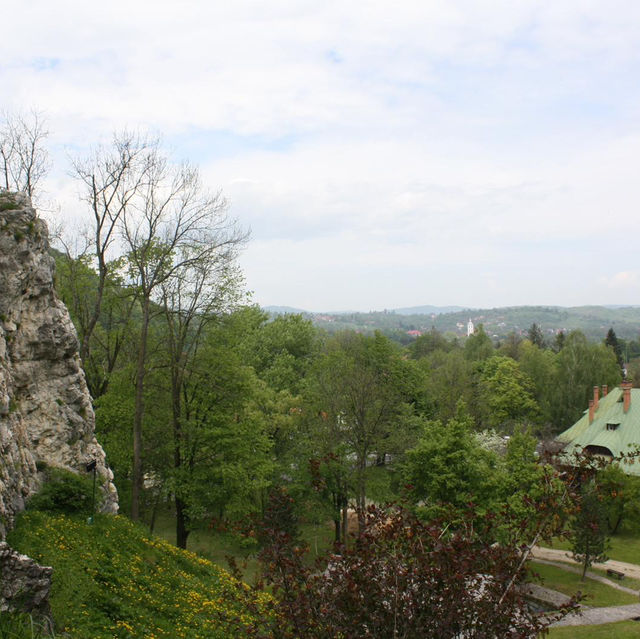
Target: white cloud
621,280
436,152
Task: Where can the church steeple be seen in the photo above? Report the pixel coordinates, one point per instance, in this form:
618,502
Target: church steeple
470,328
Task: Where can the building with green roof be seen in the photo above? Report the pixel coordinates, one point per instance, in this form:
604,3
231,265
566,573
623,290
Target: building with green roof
610,427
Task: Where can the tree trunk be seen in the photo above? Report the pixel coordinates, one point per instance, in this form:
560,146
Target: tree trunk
361,495
95,315
154,513
345,522
136,489
182,527
587,560
182,531
618,521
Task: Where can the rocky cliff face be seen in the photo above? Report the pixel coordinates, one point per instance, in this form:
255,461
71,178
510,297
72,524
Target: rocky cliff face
45,408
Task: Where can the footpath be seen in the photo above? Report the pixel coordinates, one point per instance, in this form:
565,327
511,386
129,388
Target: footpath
593,616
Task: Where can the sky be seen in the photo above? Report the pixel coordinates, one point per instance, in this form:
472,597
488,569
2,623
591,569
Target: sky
383,154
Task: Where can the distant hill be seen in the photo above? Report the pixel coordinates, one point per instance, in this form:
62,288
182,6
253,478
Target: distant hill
284,310
593,321
429,310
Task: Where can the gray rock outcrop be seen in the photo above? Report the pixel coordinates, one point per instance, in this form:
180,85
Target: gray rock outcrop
24,584
46,413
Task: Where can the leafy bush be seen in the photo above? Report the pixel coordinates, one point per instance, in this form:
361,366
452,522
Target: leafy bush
63,492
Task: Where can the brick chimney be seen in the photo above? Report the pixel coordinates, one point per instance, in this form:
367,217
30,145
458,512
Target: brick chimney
591,411
626,395
596,397
605,390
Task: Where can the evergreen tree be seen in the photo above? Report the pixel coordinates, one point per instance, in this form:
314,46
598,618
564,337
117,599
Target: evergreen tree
589,534
535,335
559,341
612,341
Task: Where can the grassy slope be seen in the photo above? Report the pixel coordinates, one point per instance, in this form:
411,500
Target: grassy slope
112,580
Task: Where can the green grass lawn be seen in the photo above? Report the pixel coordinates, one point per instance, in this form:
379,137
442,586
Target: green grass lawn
595,593
620,630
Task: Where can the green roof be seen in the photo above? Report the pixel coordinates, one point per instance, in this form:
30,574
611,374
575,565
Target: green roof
621,439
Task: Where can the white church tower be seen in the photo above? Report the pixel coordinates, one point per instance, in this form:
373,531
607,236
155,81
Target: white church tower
470,328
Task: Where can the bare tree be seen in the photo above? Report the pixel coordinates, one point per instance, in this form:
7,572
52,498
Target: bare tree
111,177
178,234
24,160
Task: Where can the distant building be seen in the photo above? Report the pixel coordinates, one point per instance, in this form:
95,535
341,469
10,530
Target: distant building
610,427
470,328
414,333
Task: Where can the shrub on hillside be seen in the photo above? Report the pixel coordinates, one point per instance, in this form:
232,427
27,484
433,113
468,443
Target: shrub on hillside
63,492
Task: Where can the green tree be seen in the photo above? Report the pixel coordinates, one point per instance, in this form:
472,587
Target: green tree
78,286
448,379
429,342
505,394
589,537
224,448
357,400
580,366
174,224
510,347
536,336
559,341
478,346
612,342
621,495
526,483
448,469
539,365
200,291
282,350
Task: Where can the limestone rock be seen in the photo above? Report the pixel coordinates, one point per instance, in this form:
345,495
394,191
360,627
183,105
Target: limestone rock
46,413
24,584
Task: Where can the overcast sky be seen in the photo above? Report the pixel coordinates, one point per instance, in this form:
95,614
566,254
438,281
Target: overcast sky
384,154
